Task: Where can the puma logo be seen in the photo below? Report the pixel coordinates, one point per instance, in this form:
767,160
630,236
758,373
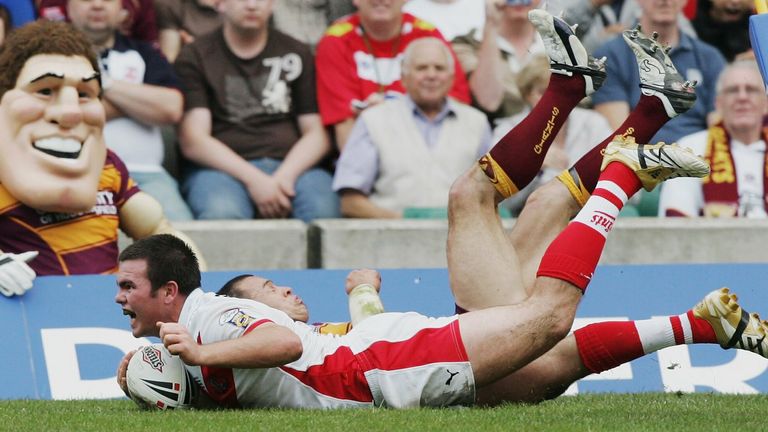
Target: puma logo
450,378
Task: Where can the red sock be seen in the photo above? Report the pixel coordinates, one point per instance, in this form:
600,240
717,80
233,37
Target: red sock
574,254
603,346
643,123
520,153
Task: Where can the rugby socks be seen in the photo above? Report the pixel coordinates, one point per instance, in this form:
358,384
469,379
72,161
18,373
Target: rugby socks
642,123
517,158
574,254
603,346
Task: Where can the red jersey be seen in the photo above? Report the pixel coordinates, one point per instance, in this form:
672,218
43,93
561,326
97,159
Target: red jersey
70,243
352,66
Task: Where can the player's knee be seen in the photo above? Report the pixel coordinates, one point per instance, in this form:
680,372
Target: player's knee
469,189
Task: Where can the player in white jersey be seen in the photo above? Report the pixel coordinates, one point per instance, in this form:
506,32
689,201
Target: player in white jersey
247,354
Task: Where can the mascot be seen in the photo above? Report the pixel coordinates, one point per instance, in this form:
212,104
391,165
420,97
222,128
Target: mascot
63,195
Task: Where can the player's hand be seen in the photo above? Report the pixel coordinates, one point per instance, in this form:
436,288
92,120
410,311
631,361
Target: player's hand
178,341
15,275
269,198
363,276
122,368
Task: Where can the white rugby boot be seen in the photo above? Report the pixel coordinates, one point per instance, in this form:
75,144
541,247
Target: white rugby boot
658,75
733,326
566,53
654,163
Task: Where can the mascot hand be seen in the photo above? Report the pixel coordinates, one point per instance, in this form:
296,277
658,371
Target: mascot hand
15,275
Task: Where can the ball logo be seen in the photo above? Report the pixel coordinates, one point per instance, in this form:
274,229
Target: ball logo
236,317
153,358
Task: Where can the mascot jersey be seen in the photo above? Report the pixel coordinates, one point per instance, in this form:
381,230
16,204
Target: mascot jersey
70,243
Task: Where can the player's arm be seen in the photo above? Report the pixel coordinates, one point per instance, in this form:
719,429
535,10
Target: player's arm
142,216
268,345
363,287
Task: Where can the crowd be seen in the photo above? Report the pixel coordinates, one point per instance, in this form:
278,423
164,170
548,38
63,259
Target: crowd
303,108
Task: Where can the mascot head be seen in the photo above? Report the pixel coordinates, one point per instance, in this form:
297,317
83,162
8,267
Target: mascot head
52,150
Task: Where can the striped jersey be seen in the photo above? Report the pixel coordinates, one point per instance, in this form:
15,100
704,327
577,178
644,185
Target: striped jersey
70,243
392,359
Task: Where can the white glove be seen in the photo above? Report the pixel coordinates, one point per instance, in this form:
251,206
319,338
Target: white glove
15,275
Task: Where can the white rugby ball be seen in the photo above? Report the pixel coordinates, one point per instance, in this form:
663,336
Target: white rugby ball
157,380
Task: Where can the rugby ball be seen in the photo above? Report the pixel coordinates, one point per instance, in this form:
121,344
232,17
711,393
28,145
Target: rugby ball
158,380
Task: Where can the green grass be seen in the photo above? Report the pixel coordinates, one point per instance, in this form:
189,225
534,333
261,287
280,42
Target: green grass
605,412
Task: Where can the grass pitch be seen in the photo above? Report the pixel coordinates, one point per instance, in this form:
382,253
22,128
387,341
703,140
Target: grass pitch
604,412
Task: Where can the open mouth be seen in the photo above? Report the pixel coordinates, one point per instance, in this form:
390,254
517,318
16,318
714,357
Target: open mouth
129,313
65,148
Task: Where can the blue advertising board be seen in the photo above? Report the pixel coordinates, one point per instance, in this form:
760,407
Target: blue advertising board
65,337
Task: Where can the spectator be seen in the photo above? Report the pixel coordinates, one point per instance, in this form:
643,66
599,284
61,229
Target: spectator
601,20
695,60
735,149
6,23
578,135
138,16
20,12
251,126
724,24
492,56
441,136
358,62
179,22
307,20
140,94
452,17
62,194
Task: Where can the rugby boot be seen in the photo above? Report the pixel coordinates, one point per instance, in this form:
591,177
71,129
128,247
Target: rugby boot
566,53
734,327
654,163
658,76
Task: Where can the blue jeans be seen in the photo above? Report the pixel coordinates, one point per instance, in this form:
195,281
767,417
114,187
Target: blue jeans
163,187
212,194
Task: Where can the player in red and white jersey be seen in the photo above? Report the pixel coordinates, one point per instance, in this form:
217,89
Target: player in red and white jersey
333,371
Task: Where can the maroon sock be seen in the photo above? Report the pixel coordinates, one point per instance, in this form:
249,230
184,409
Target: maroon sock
520,153
642,123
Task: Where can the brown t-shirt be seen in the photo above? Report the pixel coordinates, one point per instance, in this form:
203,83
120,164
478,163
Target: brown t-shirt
255,102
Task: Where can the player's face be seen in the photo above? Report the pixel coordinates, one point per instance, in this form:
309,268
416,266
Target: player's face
742,101
278,297
51,146
428,77
246,15
134,294
380,10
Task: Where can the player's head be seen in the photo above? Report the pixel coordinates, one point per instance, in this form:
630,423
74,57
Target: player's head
155,276
265,291
51,119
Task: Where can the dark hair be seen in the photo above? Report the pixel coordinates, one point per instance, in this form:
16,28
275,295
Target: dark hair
231,285
40,37
168,259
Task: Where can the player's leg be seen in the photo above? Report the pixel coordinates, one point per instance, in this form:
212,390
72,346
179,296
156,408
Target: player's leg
717,319
664,96
511,164
503,339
